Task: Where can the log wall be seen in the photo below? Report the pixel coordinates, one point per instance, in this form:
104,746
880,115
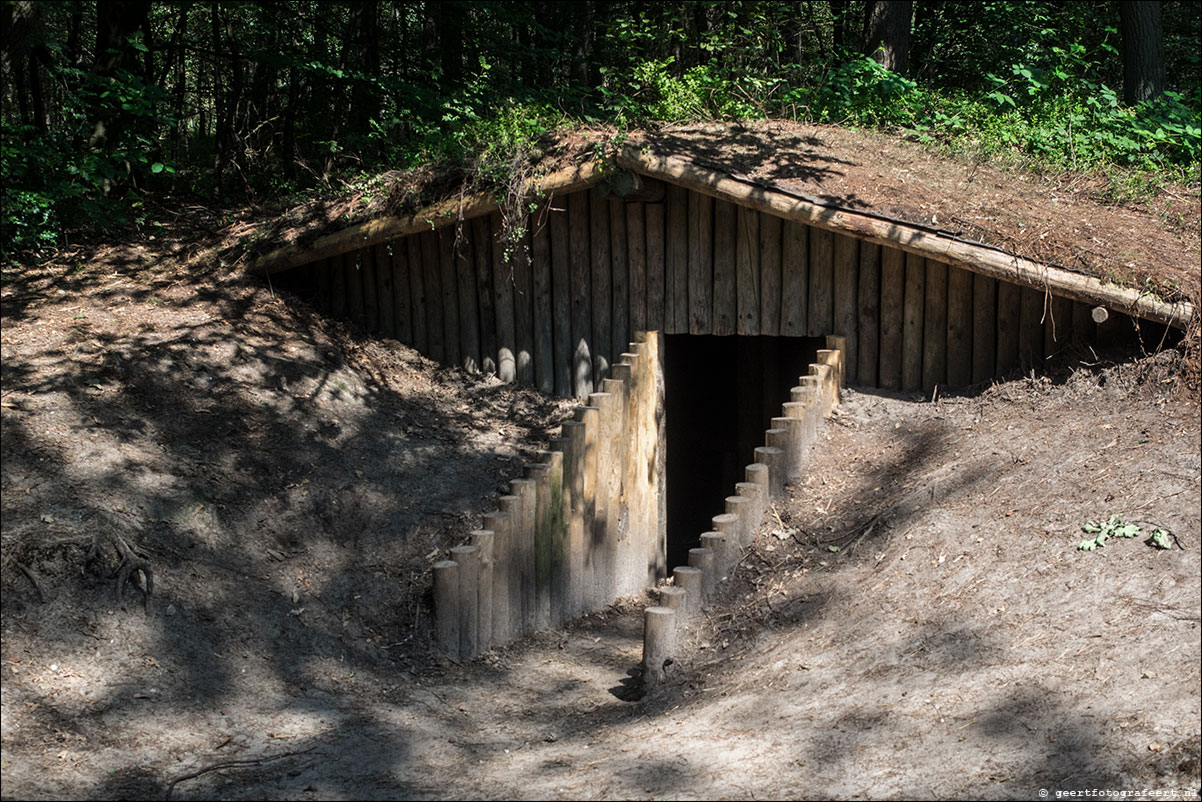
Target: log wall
585,527
552,305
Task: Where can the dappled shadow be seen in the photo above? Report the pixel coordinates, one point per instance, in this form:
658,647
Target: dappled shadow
286,500
765,155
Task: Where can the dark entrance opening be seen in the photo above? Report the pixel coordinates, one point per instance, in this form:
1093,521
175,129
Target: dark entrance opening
721,394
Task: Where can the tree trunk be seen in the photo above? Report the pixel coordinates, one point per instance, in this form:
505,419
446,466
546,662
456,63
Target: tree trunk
75,35
179,62
887,33
116,20
449,24
1143,50
582,52
839,23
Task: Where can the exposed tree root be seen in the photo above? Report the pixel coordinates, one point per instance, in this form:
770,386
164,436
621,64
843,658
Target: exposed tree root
33,578
132,563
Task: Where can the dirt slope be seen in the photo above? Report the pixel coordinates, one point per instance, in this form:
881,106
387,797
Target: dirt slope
289,483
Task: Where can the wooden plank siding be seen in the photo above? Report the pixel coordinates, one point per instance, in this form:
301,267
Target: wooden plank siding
555,304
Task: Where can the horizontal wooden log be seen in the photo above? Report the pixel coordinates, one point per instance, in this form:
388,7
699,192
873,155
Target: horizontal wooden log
958,253
389,227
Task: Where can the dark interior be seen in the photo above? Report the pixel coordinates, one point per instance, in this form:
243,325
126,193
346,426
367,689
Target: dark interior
721,393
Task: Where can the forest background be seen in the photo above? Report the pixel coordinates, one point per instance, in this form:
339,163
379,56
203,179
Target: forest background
114,111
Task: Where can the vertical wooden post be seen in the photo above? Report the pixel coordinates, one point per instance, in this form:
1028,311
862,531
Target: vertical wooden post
417,293
526,492
673,598
778,437
402,313
893,284
771,275
822,266
795,279
602,276
657,295
703,560
934,338
1058,327
755,495
806,404
869,313
605,522
581,293
826,383
636,239
482,539
773,458
912,322
984,327
676,290
725,300
846,288
322,299
338,290
689,579
502,285
742,507
383,262
637,481
620,276
725,551
523,308
449,276
959,327
371,297
446,607
1084,327
747,269
544,331
701,263
560,516
540,474
468,558
561,293
463,253
659,644
432,273
1030,329
589,416
502,559
1009,307
354,287
1112,329
482,251
795,439
626,496
574,445
512,506
728,526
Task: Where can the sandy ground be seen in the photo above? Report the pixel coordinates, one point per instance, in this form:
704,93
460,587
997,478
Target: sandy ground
914,620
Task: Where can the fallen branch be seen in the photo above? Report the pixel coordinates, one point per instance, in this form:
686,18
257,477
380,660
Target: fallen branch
233,764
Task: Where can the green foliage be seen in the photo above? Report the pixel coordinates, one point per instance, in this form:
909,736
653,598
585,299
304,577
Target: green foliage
1160,539
1114,527
860,92
56,180
253,99
654,92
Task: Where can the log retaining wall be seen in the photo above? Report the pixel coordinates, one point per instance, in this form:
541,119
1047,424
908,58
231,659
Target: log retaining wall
586,527
553,305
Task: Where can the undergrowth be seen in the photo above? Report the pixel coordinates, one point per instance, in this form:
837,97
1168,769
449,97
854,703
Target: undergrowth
1050,116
